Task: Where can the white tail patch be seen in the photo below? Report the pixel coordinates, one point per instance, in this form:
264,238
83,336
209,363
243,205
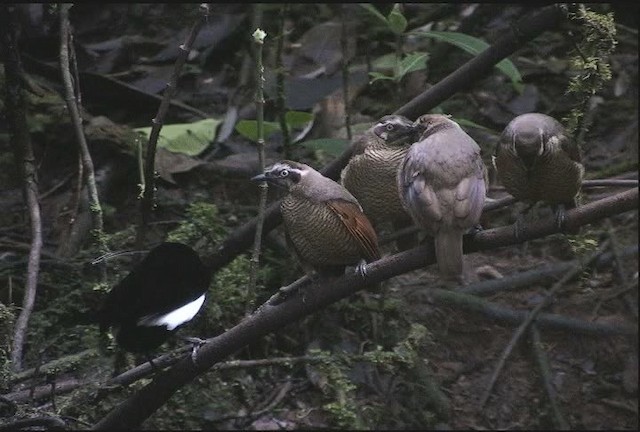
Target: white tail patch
174,318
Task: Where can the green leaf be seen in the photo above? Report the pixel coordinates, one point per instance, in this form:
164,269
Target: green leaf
249,129
413,62
187,138
397,21
297,118
475,46
387,61
378,76
374,12
333,146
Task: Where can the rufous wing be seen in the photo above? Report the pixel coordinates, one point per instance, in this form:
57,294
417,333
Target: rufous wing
358,226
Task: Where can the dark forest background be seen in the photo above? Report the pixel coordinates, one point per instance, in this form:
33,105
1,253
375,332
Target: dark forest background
414,356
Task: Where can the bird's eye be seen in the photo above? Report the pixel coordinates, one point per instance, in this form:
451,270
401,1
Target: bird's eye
284,173
389,127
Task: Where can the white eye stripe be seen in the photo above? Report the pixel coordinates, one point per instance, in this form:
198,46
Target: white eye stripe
174,318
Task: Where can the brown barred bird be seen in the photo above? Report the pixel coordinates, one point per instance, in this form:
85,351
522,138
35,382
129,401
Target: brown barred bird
536,161
371,173
324,223
441,183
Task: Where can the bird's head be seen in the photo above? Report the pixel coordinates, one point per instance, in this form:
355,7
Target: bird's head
528,142
396,130
428,124
284,174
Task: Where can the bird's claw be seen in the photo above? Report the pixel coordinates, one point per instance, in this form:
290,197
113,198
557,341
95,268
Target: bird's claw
561,218
475,229
361,269
196,344
518,227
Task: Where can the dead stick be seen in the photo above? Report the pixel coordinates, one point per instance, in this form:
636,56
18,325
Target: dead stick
559,420
157,122
533,315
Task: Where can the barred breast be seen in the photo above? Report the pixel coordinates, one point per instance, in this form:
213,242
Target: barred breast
554,179
371,178
317,233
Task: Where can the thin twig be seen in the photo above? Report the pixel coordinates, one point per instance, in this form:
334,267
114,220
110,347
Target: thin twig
620,405
577,270
16,112
559,420
590,184
621,274
72,99
537,275
147,202
50,423
489,205
258,37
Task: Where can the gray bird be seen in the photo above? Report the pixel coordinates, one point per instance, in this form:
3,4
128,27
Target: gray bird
324,223
441,183
371,173
536,161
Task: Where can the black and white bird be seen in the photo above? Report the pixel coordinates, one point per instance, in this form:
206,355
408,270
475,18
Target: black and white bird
164,291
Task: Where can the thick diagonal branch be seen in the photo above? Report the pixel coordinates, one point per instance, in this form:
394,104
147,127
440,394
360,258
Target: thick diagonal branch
133,411
523,31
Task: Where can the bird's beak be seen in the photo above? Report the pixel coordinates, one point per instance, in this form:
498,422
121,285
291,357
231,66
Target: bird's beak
259,178
381,132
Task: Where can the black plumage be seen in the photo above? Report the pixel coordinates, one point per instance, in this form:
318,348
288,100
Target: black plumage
165,290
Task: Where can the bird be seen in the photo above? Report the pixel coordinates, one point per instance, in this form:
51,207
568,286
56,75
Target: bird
324,224
536,160
371,172
164,291
441,183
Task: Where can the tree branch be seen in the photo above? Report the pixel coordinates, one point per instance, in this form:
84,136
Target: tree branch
16,111
528,28
133,411
72,105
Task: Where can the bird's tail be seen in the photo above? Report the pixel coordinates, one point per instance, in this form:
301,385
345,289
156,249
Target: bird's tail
449,254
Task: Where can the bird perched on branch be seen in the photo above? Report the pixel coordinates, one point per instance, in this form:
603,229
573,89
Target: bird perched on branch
536,161
441,183
164,291
324,223
371,173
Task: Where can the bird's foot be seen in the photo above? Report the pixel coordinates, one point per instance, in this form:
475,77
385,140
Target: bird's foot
475,229
561,217
196,344
361,268
518,227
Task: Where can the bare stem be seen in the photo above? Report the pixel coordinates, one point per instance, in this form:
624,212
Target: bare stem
170,90
16,111
559,420
72,97
258,37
